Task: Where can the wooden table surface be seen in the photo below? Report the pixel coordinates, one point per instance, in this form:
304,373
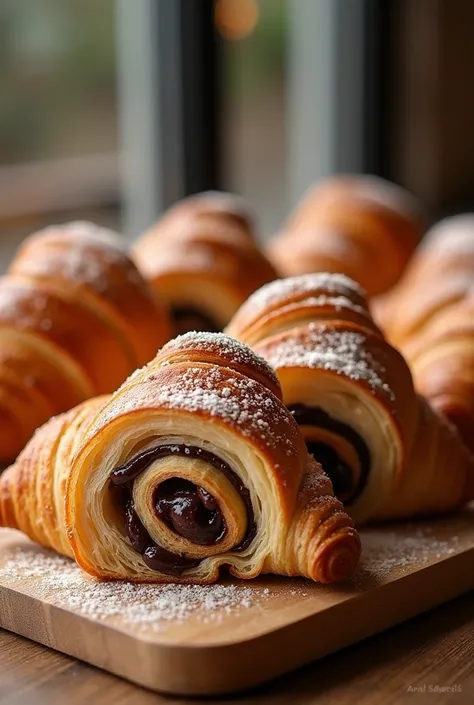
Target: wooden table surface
432,651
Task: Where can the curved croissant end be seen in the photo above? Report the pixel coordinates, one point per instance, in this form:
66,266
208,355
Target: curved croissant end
322,542
193,464
33,489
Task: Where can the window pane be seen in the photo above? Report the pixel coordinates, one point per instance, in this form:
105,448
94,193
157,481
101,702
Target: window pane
57,71
58,115
254,104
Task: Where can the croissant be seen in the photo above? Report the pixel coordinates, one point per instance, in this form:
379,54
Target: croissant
193,464
202,260
363,226
75,319
429,316
387,453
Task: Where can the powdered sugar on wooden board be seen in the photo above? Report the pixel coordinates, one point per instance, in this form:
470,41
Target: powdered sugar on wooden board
388,553
386,550
60,580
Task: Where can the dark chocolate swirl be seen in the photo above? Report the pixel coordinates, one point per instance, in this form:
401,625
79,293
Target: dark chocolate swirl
346,486
185,508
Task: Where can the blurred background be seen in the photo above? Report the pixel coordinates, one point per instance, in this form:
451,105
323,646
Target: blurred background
112,109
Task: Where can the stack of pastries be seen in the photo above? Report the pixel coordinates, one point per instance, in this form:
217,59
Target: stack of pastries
258,450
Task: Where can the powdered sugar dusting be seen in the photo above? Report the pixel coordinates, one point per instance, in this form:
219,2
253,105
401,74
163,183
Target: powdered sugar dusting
144,606
315,482
455,234
277,292
384,551
240,402
339,302
340,351
230,349
212,389
90,253
85,230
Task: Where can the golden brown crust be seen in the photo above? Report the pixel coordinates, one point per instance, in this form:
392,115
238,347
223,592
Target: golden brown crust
75,319
336,362
329,545
94,262
362,226
28,496
206,391
202,253
220,350
294,301
429,315
207,204
439,472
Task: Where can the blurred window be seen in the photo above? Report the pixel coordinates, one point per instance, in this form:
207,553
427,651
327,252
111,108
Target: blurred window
58,114
253,132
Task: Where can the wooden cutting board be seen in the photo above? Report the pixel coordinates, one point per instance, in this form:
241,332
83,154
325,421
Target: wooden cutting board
189,640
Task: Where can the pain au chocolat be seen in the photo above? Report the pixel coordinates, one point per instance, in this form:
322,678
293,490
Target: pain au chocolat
202,259
360,225
76,318
429,316
388,453
192,465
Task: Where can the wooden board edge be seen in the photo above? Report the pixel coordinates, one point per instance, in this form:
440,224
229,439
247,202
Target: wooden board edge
221,669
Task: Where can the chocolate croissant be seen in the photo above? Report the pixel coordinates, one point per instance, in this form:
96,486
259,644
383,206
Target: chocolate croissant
202,260
387,453
429,316
193,464
362,226
75,319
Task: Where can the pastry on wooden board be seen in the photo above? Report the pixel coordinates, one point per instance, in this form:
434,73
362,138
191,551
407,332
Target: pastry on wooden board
389,454
429,316
192,465
362,226
202,260
76,318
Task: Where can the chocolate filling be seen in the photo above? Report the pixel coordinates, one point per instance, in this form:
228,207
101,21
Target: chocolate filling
190,511
189,318
187,509
344,483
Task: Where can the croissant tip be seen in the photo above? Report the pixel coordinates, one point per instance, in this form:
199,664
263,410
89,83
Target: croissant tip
337,559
